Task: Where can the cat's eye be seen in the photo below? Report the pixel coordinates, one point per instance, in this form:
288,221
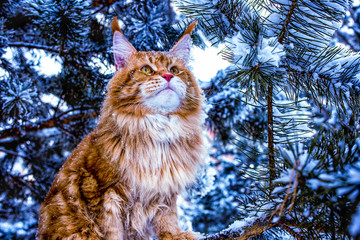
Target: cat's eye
174,70
146,69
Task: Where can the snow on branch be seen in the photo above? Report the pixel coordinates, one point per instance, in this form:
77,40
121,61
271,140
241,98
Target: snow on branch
251,227
244,230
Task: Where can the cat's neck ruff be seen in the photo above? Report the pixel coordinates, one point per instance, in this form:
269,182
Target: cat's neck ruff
159,127
151,145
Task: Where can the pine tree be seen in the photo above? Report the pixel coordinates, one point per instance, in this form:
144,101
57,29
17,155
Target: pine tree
44,115
349,33
283,65
227,113
289,103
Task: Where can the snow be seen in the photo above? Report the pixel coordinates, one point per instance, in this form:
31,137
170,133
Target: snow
239,225
351,176
269,51
54,101
240,48
46,63
206,178
354,228
184,220
354,176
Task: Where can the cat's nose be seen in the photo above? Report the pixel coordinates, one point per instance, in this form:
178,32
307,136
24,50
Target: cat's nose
168,77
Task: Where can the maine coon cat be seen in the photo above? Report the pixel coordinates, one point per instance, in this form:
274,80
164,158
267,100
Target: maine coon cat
122,180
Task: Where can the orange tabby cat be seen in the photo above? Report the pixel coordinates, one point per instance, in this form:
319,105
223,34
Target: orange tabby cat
122,180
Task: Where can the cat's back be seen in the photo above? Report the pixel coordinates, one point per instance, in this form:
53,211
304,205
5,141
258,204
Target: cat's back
74,165
73,188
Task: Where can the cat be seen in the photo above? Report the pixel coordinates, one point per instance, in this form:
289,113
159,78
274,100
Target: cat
123,179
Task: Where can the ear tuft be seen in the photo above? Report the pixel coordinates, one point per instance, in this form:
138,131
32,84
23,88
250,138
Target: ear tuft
122,48
190,28
115,25
181,49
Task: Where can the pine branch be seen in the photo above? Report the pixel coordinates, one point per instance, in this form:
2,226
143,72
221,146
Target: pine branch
309,74
33,46
288,17
345,40
54,49
50,123
291,231
270,106
259,226
270,129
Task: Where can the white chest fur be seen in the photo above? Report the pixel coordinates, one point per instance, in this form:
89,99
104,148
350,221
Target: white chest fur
163,128
158,127
156,148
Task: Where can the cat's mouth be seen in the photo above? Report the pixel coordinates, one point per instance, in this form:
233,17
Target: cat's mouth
167,99
166,90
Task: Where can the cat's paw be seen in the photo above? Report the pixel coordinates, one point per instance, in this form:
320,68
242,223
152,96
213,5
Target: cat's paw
188,235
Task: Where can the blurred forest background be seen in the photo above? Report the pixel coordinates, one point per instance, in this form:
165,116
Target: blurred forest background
283,118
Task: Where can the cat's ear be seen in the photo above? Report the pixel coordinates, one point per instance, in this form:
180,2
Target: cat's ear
122,48
181,49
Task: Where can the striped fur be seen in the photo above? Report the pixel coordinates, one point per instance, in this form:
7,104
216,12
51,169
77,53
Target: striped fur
122,180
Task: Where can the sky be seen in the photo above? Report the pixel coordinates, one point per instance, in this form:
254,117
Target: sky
206,63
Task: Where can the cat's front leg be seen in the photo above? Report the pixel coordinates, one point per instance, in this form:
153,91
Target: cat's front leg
81,236
188,235
167,227
112,221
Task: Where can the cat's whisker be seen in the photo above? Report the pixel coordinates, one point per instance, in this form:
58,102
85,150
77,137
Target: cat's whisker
127,105
122,85
193,98
124,96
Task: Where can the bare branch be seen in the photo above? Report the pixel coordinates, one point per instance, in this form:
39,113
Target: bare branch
53,122
54,49
33,46
13,153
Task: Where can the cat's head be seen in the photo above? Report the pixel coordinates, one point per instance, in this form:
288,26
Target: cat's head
153,82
